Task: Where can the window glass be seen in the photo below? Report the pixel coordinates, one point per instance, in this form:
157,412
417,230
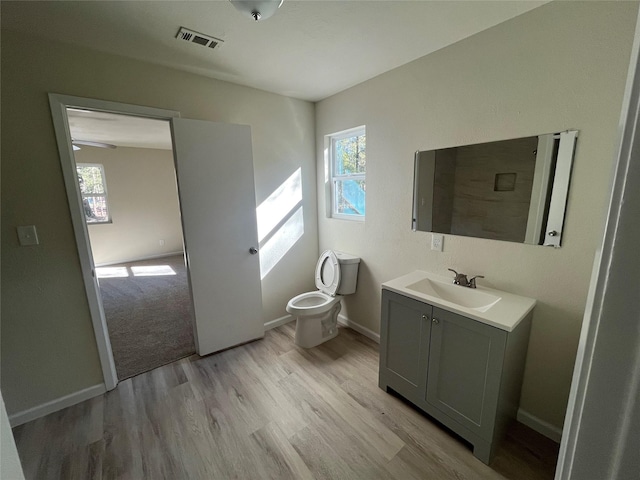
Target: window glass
93,188
348,172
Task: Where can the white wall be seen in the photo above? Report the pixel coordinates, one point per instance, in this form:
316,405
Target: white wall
10,467
143,204
602,432
48,347
561,66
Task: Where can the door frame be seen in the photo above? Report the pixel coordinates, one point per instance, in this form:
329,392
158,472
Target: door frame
59,104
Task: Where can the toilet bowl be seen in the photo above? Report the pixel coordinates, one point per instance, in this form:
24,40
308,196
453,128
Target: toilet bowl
317,312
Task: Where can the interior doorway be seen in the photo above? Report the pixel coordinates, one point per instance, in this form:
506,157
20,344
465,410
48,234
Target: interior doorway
214,170
127,181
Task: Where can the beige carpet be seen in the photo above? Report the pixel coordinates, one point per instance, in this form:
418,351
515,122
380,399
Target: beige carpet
148,312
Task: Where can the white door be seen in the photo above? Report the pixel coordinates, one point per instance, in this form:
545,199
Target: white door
214,165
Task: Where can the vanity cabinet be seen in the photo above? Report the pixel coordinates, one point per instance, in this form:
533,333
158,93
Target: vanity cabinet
406,348
462,372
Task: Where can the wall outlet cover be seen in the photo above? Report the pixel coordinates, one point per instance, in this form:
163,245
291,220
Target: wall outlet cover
437,240
27,235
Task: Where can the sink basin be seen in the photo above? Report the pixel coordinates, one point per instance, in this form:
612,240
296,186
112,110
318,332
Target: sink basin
493,307
462,296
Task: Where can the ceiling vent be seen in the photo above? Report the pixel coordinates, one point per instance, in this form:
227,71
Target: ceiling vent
198,38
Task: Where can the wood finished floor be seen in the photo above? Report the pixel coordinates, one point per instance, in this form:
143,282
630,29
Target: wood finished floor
267,409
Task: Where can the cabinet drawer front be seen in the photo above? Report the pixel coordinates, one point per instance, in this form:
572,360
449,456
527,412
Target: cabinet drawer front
405,325
465,364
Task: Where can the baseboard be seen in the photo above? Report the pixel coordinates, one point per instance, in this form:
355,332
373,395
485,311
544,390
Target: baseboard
540,426
342,320
278,321
54,405
140,259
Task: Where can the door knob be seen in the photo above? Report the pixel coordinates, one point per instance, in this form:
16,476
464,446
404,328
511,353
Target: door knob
553,233
253,250
436,321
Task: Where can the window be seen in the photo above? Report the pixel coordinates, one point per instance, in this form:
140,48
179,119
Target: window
348,165
93,188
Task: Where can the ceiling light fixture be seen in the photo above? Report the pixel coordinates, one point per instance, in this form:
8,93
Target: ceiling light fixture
257,9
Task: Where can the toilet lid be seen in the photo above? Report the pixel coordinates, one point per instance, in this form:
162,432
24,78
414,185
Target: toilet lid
328,273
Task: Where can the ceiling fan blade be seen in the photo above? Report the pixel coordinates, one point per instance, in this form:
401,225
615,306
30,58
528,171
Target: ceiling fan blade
92,144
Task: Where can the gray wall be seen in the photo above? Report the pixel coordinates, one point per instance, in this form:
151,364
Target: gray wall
561,66
48,346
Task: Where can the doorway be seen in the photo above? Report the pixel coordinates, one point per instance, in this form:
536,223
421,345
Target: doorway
214,170
127,180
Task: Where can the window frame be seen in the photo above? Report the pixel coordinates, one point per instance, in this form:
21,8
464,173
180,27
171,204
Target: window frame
105,195
333,177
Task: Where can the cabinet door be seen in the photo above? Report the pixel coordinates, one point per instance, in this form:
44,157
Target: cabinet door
465,365
404,345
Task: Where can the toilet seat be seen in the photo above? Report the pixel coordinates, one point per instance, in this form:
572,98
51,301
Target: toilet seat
311,303
328,273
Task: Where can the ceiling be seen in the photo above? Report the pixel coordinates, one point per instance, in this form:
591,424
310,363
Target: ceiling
308,49
117,129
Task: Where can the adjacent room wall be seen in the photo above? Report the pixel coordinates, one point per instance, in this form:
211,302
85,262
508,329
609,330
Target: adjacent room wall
561,66
143,204
48,346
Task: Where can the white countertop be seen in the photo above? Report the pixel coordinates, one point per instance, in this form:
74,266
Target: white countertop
505,314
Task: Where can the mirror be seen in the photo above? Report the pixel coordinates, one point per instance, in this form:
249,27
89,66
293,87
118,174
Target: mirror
512,190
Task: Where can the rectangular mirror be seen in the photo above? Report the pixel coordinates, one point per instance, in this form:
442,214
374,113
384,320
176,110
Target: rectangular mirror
512,190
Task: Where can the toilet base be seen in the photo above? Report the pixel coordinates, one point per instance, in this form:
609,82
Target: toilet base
311,331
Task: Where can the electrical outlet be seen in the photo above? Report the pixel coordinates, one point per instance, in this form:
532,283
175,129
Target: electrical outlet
27,235
161,242
436,241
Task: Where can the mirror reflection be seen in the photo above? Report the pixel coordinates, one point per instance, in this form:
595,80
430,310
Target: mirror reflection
512,190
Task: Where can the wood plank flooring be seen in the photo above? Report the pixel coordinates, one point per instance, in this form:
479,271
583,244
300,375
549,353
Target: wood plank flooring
268,410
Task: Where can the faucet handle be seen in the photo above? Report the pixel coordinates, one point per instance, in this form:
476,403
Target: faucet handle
456,280
472,281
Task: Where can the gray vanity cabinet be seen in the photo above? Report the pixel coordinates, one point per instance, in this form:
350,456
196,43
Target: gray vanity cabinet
463,376
462,372
406,352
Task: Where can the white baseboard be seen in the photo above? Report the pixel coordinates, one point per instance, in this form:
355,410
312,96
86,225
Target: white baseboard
342,320
141,259
540,426
54,405
278,321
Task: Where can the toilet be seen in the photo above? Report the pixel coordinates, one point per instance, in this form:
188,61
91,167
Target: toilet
317,312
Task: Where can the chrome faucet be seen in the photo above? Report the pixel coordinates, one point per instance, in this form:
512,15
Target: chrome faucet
462,280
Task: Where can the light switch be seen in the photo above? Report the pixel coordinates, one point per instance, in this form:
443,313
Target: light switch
436,241
27,235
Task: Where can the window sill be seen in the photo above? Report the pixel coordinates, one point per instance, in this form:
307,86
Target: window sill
100,223
350,218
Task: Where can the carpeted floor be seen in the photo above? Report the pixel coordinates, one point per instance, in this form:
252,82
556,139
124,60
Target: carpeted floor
148,312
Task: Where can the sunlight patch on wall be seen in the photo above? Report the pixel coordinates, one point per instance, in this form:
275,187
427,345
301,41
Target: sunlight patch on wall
279,204
281,242
280,222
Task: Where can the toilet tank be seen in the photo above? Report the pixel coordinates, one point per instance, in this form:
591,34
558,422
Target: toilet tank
348,273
